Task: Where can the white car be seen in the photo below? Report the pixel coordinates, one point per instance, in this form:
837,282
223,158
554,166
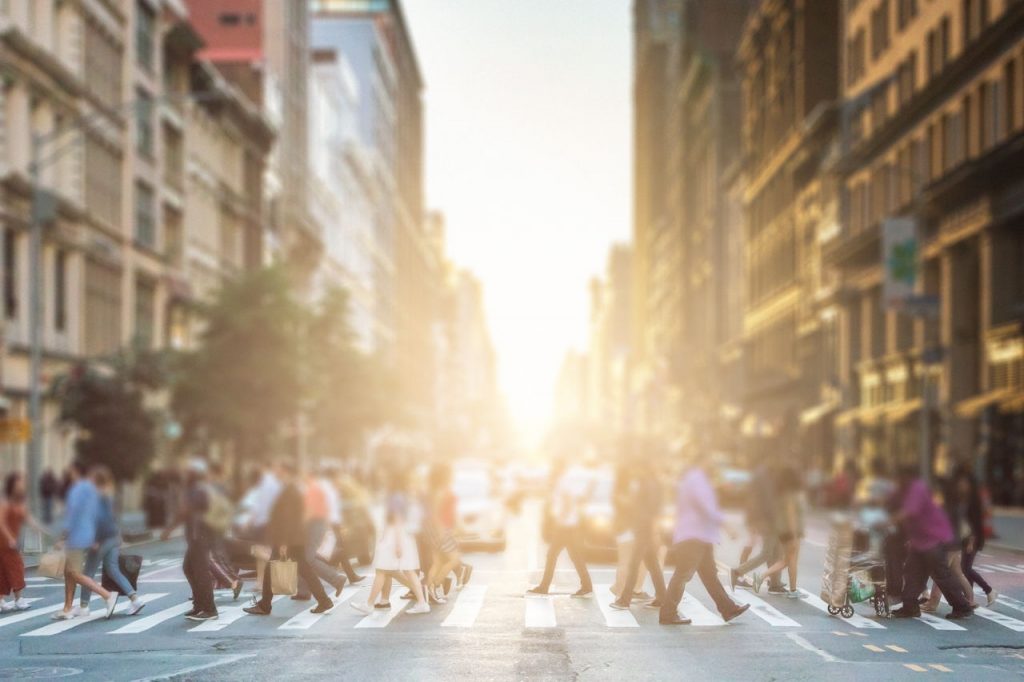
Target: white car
480,509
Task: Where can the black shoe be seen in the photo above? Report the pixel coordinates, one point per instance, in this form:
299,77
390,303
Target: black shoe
620,606
735,613
302,597
537,591
583,593
338,586
257,610
958,615
191,613
904,612
203,615
678,620
236,590
383,606
322,607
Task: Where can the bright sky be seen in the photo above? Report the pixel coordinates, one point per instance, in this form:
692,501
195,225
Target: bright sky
528,121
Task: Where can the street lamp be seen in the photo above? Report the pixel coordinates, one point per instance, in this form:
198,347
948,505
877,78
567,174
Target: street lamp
41,212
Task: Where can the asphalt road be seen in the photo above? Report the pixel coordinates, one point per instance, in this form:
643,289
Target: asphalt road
491,631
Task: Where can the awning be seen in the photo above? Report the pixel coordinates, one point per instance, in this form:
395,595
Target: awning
848,416
903,410
871,415
972,407
815,413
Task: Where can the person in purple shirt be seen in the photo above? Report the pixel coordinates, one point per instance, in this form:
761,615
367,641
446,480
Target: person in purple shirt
697,531
928,531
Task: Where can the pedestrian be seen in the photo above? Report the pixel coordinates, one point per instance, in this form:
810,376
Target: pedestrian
645,509
763,515
49,491
441,522
623,493
955,512
106,551
13,515
876,501
219,515
322,516
928,531
570,492
972,513
81,518
791,530
396,556
198,540
349,496
286,533
698,529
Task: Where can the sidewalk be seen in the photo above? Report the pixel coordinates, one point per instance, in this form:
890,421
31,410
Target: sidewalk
1008,523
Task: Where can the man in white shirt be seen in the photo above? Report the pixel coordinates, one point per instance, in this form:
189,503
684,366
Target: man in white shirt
570,493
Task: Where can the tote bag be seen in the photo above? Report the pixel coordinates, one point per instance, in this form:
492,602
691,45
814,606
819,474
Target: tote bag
51,565
284,577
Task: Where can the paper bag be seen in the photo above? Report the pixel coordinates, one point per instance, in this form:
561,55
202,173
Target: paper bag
51,565
284,577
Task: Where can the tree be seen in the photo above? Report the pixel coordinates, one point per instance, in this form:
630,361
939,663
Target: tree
245,377
106,401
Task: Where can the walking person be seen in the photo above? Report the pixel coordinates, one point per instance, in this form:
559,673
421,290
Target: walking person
81,518
645,509
322,516
396,556
623,493
567,499
219,514
956,512
49,491
286,533
974,538
698,529
346,491
928,531
198,541
13,515
441,523
764,515
106,551
791,531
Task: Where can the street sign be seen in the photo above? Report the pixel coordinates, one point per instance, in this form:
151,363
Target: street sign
899,261
15,430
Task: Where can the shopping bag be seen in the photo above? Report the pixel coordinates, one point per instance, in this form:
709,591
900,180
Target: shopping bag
261,552
130,565
861,588
284,577
326,549
51,565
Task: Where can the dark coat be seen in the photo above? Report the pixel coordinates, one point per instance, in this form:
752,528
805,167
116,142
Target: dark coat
286,525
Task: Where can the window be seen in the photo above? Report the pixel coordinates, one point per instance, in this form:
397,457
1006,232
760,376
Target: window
967,111
144,124
145,309
906,82
60,290
174,158
145,218
10,275
102,308
855,66
145,30
102,181
975,18
102,67
880,29
906,11
938,48
953,140
1010,95
174,238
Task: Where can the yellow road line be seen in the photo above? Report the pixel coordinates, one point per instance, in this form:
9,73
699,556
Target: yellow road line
941,668
837,633
897,649
876,649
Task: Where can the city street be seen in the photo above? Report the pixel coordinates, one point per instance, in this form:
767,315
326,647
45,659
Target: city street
491,631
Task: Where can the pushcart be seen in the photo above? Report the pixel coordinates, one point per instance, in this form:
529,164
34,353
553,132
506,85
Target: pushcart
854,570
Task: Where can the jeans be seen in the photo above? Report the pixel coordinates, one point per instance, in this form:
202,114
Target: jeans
196,566
570,539
108,553
296,553
645,550
694,556
316,530
934,563
967,565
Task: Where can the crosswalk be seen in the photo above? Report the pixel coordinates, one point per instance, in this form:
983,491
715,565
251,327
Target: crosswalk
489,603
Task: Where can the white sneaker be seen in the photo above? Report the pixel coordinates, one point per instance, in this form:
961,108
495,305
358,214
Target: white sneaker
362,608
21,604
63,615
80,611
111,603
6,606
419,608
135,607
991,597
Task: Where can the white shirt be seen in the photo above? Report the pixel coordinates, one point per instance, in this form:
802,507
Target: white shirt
263,501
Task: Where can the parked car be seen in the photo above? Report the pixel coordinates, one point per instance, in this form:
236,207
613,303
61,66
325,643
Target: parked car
480,509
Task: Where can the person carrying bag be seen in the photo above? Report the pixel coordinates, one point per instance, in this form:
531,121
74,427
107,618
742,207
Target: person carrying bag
284,577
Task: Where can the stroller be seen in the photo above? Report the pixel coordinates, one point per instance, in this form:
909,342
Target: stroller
855,569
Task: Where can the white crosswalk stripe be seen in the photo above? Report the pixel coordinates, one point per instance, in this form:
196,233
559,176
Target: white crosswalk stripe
8,620
764,610
999,618
148,622
613,618
701,615
858,621
540,612
467,607
226,617
937,623
381,618
101,614
305,619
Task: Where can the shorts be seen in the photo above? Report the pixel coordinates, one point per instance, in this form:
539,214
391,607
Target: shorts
74,561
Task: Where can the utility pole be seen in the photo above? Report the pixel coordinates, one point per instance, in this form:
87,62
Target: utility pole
37,216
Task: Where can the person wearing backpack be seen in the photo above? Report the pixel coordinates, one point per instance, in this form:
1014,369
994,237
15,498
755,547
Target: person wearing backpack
198,541
218,519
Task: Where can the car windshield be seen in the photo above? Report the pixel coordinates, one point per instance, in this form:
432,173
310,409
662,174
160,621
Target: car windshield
471,484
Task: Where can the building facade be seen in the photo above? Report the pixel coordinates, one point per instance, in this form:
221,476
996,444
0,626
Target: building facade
934,94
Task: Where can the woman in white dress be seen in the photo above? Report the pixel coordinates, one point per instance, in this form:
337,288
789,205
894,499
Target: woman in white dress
396,556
